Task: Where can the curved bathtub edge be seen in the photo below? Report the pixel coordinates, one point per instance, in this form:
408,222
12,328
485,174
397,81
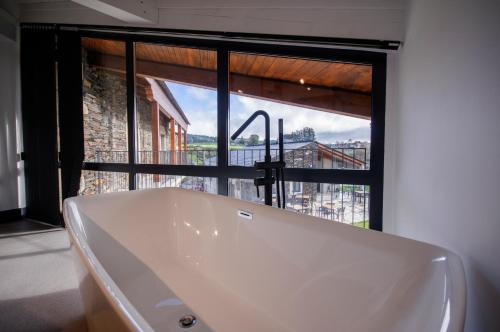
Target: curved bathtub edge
116,299
459,285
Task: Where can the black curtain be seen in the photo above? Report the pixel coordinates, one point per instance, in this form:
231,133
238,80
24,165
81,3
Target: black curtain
38,93
70,111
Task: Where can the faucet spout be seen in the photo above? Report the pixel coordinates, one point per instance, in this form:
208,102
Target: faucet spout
267,131
267,165
268,179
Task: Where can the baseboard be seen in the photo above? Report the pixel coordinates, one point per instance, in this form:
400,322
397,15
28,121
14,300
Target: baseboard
11,215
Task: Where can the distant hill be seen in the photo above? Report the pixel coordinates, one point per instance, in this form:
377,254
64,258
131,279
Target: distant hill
193,139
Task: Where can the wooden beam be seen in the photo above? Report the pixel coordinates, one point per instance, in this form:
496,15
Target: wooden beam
185,140
339,101
172,140
179,143
155,135
313,97
166,103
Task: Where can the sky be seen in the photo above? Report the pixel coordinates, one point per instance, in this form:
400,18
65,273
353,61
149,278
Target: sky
200,107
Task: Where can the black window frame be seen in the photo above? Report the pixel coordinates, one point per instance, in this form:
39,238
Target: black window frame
223,172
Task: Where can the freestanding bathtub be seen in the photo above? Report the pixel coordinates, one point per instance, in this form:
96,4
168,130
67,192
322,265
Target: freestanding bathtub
177,260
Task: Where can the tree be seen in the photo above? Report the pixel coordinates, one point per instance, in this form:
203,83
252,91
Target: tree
305,134
254,139
241,141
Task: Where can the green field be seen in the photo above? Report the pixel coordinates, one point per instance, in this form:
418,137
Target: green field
362,224
201,146
210,146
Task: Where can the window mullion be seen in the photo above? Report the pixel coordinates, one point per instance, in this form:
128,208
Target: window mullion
131,118
222,118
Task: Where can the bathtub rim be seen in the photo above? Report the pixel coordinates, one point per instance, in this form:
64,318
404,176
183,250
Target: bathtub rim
112,293
135,321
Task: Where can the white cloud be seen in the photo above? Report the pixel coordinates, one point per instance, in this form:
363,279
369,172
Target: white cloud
294,118
202,121
198,93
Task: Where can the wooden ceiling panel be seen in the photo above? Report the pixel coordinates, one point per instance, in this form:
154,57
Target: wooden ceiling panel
112,47
181,56
314,72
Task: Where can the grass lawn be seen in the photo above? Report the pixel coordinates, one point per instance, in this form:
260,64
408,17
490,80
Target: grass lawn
362,224
205,146
211,146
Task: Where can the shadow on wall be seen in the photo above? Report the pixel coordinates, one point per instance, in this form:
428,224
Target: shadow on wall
49,312
485,298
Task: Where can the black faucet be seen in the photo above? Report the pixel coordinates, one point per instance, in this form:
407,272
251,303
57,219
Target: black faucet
267,165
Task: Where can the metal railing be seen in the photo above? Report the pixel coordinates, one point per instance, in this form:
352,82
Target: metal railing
205,184
109,157
345,203
98,182
331,158
207,157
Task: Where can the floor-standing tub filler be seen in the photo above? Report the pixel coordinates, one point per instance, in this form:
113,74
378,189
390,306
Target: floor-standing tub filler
178,260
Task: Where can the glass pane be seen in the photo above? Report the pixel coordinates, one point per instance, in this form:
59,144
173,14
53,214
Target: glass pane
176,105
344,203
104,101
325,106
97,182
205,184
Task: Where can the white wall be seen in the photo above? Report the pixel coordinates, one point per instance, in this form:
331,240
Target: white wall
11,181
443,149
373,19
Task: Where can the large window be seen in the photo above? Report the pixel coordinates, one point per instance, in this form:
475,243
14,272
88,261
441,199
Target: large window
158,112
176,105
325,105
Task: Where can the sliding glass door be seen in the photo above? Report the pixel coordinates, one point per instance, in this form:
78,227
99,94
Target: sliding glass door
158,112
326,108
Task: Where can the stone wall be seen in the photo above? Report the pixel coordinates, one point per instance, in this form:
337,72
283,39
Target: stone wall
104,116
105,127
302,158
144,137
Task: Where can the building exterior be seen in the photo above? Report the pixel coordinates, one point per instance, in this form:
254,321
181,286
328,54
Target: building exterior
161,125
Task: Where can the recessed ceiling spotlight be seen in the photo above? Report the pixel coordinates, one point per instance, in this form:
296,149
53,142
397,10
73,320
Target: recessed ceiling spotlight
308,88
240,91
301,81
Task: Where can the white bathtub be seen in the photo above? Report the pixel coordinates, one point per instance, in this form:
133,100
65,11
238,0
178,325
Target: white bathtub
147,258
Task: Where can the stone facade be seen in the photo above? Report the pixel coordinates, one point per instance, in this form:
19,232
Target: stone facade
105,127
104,116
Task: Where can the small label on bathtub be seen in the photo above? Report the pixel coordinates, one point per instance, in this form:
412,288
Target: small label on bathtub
245,214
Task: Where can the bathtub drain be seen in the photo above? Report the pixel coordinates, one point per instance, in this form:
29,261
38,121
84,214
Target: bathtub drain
187,321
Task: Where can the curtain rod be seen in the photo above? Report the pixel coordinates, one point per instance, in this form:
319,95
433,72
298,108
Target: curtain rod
231,36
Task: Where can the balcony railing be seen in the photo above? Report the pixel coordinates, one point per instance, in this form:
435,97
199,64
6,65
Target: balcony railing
345,203
331,158
109,157
197,157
